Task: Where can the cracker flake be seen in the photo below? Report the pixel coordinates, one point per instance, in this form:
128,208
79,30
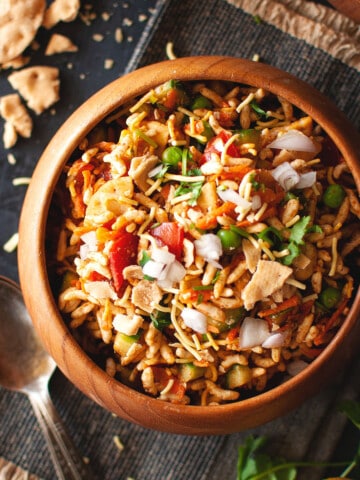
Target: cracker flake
60,44
17,119
38,85
61,11
19,22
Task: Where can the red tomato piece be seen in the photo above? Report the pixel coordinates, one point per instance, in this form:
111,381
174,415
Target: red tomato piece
216,145
122,254
170,234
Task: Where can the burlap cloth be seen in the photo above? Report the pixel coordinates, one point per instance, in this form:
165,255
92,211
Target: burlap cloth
309,40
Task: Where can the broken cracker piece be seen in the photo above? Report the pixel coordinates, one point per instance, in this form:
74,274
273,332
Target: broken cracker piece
17,119
19,22
16,63
61,11
268,278
60,44
9,136
38,85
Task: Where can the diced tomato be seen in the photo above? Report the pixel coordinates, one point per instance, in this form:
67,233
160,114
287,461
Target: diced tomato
170,234
96,276
162,377
122,254
216,145
174,97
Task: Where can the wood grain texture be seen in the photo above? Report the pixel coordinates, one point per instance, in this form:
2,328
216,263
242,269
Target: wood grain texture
350,8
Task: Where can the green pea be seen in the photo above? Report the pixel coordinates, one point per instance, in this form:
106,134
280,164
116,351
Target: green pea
334,196
172,156
201,102
230,240
330,297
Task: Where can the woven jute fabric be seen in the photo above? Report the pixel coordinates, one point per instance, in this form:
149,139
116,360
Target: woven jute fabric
219,27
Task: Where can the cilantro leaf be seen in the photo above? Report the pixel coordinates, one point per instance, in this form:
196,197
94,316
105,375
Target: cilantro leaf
255,106
299,230
351,409
294,252
160,320
296,239
145,257
191,187
254,464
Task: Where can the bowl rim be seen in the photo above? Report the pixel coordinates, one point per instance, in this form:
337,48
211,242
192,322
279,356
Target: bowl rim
32,262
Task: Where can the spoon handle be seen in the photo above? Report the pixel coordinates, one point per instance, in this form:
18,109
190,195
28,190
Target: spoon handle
67,461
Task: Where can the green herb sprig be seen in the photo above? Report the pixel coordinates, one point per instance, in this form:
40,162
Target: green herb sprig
255,464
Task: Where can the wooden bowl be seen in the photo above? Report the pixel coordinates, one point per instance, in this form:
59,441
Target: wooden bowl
71,359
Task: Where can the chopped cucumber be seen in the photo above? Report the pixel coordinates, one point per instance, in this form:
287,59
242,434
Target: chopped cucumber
238,375
189,371
123,342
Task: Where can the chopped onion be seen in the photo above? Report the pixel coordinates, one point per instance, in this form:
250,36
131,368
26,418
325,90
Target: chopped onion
194,319
100,289
255,202
162,255
218,144
164,267
153,172
275,340
296,367
209,247
306,180
153,269
174,272
230,195
294,140
253,332
289,178
285,175
90,244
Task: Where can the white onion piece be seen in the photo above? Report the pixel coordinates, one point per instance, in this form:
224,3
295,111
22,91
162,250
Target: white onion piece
153,172
229,195
306,180
218,144
153,269
286,176
100,289
90,244
89,238
253,332
275,340
255,202
173,272
162,255
209,247
296,367
194,319
294,140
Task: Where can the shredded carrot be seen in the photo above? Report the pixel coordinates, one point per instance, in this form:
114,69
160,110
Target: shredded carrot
232,334
236,171
289,303
209,220
330,322
310,352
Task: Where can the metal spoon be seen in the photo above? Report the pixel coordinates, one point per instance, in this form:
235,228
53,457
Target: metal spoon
26,367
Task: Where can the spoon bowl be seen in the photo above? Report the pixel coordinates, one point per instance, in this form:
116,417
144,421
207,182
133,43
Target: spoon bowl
26,367
23,361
